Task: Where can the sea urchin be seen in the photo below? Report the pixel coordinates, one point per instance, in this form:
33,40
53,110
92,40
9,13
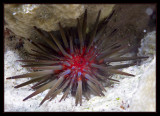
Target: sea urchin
77,64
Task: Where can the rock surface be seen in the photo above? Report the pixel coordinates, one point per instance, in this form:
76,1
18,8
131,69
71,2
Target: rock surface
145,97
21,18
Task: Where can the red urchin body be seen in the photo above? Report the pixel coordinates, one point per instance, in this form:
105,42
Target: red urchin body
79,64
76,67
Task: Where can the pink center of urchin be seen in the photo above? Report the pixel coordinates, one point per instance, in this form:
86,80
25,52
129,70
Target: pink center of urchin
79,64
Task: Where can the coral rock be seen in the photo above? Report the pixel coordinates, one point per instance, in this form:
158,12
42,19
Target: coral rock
22,17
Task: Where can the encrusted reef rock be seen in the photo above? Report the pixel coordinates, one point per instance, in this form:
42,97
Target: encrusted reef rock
148,45
20,18
145,97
